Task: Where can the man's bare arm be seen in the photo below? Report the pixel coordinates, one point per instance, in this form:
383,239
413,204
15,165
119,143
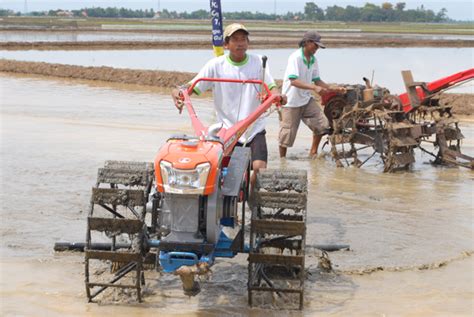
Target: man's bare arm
318,86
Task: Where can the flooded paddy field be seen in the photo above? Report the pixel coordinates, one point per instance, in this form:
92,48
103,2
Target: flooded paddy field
195,35
337,65
410,233
88,36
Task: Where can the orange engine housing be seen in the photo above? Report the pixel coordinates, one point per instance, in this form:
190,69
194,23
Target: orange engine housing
186,155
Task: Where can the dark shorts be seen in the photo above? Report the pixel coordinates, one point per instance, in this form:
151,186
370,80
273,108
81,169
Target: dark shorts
258,147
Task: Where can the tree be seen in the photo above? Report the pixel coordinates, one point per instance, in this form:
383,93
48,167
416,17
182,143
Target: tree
442,16
387,12
400,6
313,12
368,13
200,14
387,6
352,14
111,12
335,13
5,13
372,13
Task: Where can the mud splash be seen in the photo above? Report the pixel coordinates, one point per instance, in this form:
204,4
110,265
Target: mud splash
427,266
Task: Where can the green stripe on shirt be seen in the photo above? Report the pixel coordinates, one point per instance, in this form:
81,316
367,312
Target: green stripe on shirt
292,77
197,91
246,59
317,78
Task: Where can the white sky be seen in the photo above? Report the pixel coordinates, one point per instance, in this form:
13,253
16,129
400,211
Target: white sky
459,10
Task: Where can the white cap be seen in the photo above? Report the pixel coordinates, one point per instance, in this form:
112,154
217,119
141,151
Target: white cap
234,27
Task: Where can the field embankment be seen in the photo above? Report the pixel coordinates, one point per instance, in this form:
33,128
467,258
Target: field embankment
463,104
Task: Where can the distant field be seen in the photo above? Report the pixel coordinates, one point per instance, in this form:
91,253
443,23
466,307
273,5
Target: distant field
203,25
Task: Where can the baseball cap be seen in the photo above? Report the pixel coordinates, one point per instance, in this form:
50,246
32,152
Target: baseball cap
313,36
234,27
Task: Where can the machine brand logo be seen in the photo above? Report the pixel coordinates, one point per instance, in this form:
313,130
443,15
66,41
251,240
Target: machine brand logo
184,160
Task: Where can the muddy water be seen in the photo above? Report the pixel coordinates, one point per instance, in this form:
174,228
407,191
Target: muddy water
413,230
15,36
78,36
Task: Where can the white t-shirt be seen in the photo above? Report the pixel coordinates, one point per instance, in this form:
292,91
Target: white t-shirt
299,68
235,101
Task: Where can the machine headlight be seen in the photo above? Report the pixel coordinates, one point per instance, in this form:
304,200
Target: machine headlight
180,181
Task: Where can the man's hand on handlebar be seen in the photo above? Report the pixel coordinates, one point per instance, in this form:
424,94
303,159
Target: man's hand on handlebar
339,89
177,99
283,99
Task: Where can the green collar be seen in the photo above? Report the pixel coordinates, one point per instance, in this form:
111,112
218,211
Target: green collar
246,59
311,60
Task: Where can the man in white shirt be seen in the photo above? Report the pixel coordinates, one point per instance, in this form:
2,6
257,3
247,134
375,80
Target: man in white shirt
301,79
235,101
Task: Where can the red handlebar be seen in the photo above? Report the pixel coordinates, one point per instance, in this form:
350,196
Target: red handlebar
224,80
230,135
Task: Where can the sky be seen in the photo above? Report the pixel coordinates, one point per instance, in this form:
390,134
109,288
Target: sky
458,10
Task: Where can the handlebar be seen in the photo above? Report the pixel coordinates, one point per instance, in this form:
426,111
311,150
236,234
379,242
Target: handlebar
230,135
264,61
225,80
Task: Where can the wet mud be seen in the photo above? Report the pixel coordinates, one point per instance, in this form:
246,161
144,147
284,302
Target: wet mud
463,104
410,233
126,45
419,267
163,79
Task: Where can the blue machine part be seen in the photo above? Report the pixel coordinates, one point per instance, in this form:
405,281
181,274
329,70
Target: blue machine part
153,243
170,261
228,222
223,247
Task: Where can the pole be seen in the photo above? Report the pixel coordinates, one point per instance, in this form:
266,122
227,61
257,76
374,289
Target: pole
79,246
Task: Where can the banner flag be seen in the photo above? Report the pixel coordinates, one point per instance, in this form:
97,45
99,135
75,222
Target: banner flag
217,28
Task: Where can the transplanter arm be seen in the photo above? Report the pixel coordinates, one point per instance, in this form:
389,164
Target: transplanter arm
436,86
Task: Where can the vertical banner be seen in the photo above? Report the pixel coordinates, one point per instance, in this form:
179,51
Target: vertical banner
217,30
